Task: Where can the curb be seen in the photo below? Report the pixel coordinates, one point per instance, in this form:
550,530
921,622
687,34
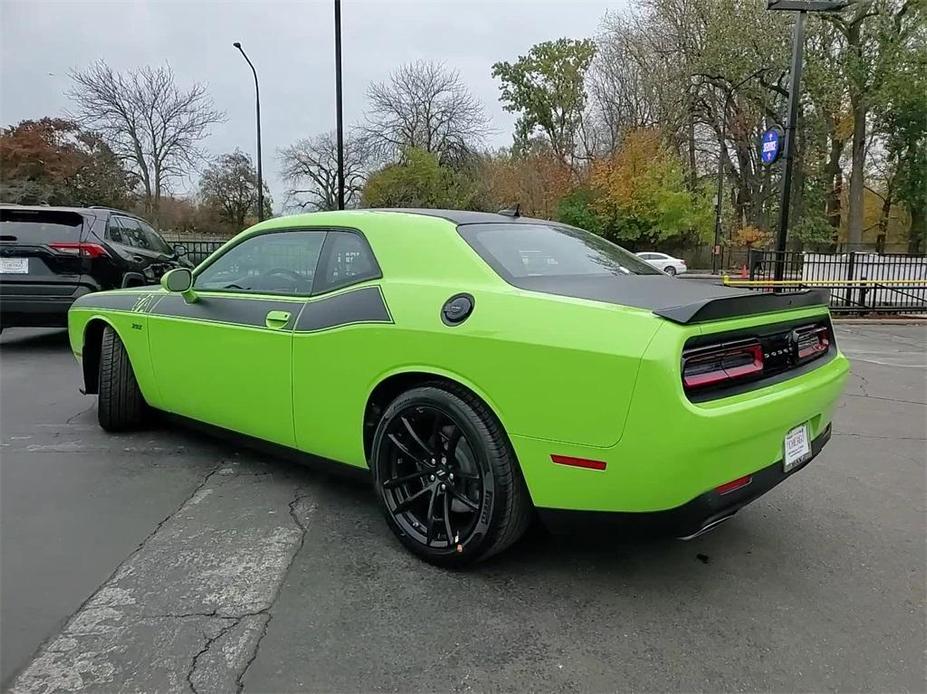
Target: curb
879,321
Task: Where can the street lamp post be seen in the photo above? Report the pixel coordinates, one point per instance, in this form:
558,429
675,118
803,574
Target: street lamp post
718,199
802,7
339,118
257,108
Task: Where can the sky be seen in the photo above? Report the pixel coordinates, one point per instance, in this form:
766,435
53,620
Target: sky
291,44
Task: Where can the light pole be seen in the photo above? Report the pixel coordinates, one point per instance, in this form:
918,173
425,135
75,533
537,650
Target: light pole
802,7
257,108
339,118
727,103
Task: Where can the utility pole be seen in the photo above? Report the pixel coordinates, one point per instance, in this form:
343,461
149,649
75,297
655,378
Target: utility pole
798,43
338,107
802,7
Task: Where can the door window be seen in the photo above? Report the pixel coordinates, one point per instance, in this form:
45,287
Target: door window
275,263
347,260
155,241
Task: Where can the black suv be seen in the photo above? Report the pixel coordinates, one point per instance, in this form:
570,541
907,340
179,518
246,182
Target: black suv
49,256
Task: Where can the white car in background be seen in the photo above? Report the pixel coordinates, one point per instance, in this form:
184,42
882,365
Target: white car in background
666,263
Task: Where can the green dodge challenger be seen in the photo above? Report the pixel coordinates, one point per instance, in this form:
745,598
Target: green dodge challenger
484,367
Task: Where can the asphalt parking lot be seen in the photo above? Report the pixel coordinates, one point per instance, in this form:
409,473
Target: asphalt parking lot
166,560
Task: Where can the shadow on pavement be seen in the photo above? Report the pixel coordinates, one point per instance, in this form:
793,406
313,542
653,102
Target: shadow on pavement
42,340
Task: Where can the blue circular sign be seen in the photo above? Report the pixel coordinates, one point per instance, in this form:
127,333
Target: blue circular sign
771,145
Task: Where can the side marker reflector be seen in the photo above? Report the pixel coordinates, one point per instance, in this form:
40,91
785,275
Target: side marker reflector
579,462
734,485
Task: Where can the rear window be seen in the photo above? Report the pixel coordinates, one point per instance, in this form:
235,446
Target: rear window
39,227
522,251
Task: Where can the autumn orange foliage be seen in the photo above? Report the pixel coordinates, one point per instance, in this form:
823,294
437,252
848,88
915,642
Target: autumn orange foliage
536,181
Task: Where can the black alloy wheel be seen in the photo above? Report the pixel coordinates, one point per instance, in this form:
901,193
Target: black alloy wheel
446,476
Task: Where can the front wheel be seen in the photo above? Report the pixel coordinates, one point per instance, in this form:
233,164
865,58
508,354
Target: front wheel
447,478
120,405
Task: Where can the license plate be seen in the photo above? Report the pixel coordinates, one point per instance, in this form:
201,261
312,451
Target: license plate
797,448
14,266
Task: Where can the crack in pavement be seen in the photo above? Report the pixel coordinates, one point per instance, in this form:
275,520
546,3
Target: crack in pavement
873,436
78,414
188,609
880,397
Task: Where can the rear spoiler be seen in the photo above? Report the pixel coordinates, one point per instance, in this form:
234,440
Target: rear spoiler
743,305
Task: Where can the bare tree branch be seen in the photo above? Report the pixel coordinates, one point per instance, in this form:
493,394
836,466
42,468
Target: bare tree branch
424,105
310,166
152,125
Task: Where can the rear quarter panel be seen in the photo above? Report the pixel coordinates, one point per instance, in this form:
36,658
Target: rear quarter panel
550,368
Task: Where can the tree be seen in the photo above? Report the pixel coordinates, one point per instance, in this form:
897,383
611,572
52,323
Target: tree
152,125
310,167
424,105
54,161
873,31
900,104
419,180
229,186
641,194
536,180
546,87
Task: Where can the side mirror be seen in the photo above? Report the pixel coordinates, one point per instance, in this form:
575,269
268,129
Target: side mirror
179,280
180,251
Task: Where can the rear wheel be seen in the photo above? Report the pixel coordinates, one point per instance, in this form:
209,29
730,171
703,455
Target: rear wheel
447,478
120,405
670,270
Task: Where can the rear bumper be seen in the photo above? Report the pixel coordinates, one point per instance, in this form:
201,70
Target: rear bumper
23,310
689,520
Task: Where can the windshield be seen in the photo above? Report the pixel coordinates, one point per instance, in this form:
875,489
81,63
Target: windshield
521,251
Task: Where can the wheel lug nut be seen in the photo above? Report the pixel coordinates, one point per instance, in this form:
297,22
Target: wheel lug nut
431,478
450,476
443,487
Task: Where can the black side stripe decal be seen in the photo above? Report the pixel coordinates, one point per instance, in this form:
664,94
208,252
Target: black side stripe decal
359,306
139,302
365,305
227,309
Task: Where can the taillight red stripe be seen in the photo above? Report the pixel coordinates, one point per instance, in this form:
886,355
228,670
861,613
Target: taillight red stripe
87,250
579,462
734,485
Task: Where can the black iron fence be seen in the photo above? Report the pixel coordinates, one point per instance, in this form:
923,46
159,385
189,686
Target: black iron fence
859,282
197,248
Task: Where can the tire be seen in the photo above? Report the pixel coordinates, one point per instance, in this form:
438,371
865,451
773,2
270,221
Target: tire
120,405
670,270
488,500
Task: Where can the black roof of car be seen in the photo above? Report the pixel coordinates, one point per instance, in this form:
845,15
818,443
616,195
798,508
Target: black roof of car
467,217
64,208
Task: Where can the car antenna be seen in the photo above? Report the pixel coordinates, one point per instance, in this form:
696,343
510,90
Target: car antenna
512,211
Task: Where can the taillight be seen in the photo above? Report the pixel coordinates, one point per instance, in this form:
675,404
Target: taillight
85,250
811,342
709,366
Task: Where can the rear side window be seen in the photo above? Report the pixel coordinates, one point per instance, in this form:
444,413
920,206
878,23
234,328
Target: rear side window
113,230
39,227
522,251
133,235
346,259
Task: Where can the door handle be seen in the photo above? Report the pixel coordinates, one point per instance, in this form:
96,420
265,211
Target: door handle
277,319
